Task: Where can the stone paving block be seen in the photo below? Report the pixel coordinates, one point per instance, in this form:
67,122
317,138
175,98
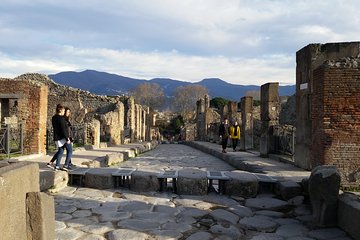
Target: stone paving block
326,233
259,223
266,203
266,236
221,214
100,178
243,184
192,182
288,189
229,231
121,234
142,181
292,230
69,234
200,235
113,158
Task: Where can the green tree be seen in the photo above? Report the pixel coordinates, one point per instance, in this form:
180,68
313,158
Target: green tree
218,102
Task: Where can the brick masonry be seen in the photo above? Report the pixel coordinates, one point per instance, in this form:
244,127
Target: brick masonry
30,100
336,120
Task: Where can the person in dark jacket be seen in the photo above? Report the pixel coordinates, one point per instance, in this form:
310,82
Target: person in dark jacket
68,148
61,137
224,134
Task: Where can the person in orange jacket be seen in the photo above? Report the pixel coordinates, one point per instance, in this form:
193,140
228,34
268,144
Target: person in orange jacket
235,134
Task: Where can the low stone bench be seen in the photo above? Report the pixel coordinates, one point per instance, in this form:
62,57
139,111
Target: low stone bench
192,182
144,181
122,177
163,179
243,184
100,178
217,176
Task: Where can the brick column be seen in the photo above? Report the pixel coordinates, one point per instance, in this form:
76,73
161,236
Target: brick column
247,134
270,108
308,59
336,119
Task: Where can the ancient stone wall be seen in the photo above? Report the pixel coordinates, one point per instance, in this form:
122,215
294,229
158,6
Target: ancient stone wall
25,213
335,107
27,101
308,59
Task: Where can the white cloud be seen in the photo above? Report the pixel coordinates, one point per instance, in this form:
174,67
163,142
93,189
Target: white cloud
242,41
158,64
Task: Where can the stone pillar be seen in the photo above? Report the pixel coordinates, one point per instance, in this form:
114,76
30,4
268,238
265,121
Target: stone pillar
130,118
203,105
232,111
144,123
93,133
247,130
270,109
307,60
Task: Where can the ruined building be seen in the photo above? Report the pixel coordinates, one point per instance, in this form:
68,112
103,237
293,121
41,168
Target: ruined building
32,99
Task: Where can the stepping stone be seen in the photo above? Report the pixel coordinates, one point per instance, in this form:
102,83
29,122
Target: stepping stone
241,183
113,158
144,181
100,178
192,182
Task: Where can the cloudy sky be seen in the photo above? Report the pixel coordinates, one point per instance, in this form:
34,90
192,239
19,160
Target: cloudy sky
240,41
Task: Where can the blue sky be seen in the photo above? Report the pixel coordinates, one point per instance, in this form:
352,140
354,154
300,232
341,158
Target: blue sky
239,41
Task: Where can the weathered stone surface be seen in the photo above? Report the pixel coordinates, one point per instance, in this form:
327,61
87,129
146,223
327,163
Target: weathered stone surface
326,233
142,181
292,230
81,213
99,228
140,225
194,212
114,216
192,182
224,215
259,223
80,222
349,214
230,231
324,185
200,235
59,225
100,178
121,234
166,234
266,203
62,216
241,211
40,216
113,158
269,213
266,236
69,234
241,183
288,189
92,237
181,227
65,209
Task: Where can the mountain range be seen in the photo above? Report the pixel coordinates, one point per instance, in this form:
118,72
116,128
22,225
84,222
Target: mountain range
111,84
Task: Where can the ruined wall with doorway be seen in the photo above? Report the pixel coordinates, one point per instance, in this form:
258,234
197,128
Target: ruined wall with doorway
25,101
335,108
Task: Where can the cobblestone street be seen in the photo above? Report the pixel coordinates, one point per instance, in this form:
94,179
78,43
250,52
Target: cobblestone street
115,214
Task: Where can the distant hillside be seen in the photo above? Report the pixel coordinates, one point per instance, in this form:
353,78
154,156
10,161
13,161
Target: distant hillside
111,84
